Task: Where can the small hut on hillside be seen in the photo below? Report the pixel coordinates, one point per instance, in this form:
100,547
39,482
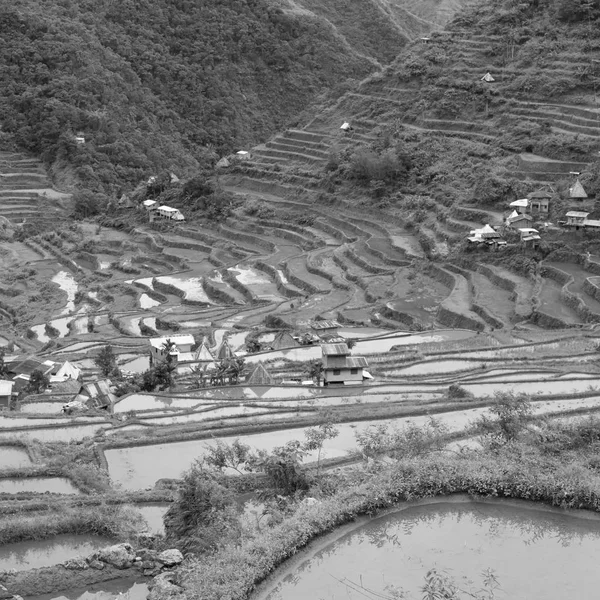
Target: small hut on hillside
203,354
576,191
224,351
283,340
260,376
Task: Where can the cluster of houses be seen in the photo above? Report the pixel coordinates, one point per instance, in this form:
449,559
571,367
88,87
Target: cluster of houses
162,212
65,382
536,209
339,366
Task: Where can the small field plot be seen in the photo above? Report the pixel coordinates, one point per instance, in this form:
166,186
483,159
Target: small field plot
551,303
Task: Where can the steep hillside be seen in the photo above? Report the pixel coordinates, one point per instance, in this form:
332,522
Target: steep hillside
172,84
428,124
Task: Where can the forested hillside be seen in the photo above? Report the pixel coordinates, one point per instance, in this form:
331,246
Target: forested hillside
172,83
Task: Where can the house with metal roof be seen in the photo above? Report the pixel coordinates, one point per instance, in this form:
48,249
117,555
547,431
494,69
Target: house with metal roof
339,368
539,202
325,328
6,391
576,218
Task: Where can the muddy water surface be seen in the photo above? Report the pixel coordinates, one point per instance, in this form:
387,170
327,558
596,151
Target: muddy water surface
154,513
44,553
40,485
13,457
139,467
121,589
534,554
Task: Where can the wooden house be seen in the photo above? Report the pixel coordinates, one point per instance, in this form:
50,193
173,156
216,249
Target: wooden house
325,328
539,203
521,207
339,368
576,219
530,238
6,391
576,192
518,221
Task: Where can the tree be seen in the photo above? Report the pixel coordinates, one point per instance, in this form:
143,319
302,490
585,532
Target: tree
38,382
3,367
283,468
253,346
228,456
315,370
204,516
106,361
317,436
509,415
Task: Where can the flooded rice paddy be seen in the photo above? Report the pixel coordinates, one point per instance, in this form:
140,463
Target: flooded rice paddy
534,553
153,513
119,589
13,457
139,467
45,553
38,485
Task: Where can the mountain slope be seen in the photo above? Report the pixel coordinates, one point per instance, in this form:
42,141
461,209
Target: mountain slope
172,84
428,125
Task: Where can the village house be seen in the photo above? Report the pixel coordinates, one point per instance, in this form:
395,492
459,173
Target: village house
166,213
181,349
6,391
325,328
518,221
149,205
486,235
521,207
339,368
539,203
577,193
576,219
530,238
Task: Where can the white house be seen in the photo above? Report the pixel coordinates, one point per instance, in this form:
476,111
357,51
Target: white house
168,213
181,350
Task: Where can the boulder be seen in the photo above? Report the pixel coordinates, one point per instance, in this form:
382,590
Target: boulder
96,564
163,588
76,564
4,593
120,556
170,557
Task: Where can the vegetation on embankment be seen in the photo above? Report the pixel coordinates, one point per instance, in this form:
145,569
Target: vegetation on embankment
556,464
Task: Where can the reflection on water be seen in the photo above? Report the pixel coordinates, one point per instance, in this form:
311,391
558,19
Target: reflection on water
44,553
123,589
534,553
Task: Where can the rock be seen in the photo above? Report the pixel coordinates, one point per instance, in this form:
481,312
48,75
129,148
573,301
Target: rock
120,556
4,593
163,588
96,564
310,501
76,564
147,554
170,557
148,564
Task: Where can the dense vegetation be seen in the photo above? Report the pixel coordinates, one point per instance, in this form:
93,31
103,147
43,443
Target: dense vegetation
164,84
